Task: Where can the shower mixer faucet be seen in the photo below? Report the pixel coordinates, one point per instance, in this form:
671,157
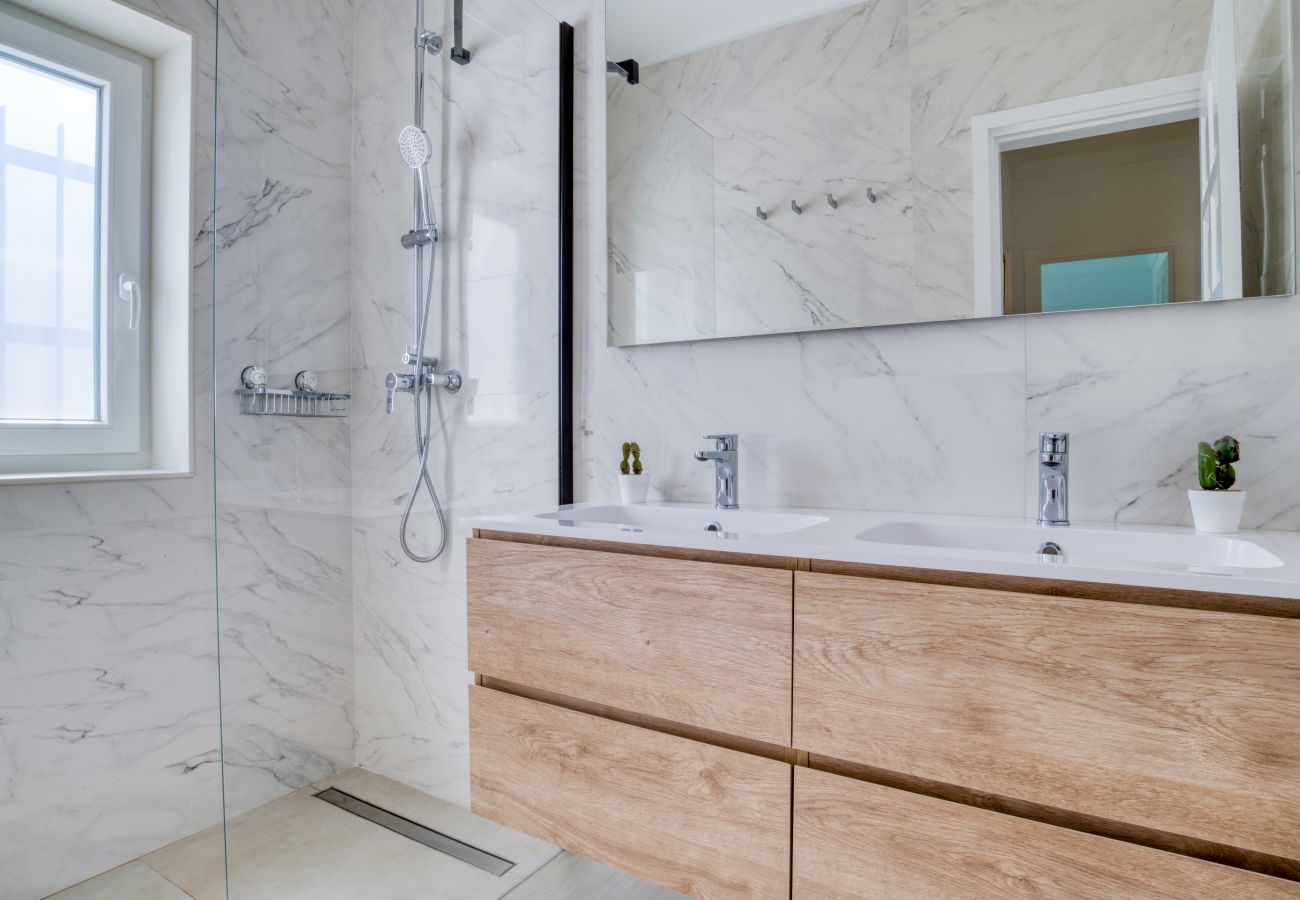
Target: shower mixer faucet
428,376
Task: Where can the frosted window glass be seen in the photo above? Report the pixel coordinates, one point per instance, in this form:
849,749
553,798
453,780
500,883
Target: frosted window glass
49,200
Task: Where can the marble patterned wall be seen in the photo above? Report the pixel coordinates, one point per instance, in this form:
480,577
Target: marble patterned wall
944,417
283,485
661,220
792,114
109,716
494,123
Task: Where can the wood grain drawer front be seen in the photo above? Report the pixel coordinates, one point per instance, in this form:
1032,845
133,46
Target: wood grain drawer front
698,819
698,643
853,839
1185,721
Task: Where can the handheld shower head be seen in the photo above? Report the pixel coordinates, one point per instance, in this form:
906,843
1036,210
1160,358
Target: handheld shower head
416,147
417,150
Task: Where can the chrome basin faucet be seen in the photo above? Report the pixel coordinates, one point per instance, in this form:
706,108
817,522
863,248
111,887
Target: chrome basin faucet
726,487
1054,478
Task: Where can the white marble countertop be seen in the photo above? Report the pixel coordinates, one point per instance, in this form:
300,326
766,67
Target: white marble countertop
837,536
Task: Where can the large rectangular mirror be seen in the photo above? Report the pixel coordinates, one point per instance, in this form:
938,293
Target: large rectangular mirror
808,164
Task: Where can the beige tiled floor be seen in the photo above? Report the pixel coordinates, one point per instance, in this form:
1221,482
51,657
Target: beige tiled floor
301,847
570,877
134,880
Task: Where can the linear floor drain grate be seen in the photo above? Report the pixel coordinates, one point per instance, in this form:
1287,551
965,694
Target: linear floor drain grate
460,850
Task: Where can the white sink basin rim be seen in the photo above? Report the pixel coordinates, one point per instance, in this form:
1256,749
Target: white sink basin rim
702,520
1200,552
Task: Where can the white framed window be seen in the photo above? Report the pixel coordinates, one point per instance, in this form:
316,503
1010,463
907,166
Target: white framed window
74,249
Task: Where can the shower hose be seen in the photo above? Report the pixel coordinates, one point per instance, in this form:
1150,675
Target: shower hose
423,417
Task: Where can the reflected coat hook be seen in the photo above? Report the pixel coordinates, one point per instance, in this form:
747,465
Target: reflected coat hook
758,211
871,195
832,202
798,210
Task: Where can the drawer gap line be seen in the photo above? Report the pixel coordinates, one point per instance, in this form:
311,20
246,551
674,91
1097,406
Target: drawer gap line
1171,842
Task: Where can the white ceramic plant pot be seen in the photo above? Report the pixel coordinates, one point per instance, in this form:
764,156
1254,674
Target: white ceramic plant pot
633,488
1217,512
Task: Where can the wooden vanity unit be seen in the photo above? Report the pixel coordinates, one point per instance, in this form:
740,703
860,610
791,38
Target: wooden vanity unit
739,726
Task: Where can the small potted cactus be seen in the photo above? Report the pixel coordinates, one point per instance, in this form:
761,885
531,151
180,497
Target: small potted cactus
1216,506
633,482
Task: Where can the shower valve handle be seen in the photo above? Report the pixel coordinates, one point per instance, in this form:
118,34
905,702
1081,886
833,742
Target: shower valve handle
397,382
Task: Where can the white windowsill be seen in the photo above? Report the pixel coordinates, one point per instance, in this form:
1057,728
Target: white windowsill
111,475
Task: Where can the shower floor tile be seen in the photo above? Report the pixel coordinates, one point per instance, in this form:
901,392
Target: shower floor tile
300,847
572,877
134,880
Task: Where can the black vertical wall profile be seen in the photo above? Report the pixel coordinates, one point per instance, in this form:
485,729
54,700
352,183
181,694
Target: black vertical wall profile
565,328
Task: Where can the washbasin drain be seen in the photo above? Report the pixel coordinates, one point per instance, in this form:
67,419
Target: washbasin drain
1051,550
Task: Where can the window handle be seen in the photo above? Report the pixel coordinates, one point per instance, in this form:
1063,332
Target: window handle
128,289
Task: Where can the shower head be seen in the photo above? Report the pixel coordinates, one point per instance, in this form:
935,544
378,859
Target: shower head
417,150
416,147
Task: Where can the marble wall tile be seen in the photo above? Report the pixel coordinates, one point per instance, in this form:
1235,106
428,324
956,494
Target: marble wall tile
486,448
1134,434
107,651
1231,333
412,664
801,290
945,29
691,258
283,177
661,220
69,841
286,630
837,52
919,443
283,300
263,764
803,149
110,679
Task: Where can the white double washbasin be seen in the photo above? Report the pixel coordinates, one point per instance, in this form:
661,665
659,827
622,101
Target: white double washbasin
1258,563
691,519
1080,544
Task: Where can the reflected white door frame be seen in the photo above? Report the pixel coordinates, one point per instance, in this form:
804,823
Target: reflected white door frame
1221,266
1087,115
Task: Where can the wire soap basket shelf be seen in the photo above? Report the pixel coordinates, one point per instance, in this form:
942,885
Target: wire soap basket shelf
272,402
256,399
